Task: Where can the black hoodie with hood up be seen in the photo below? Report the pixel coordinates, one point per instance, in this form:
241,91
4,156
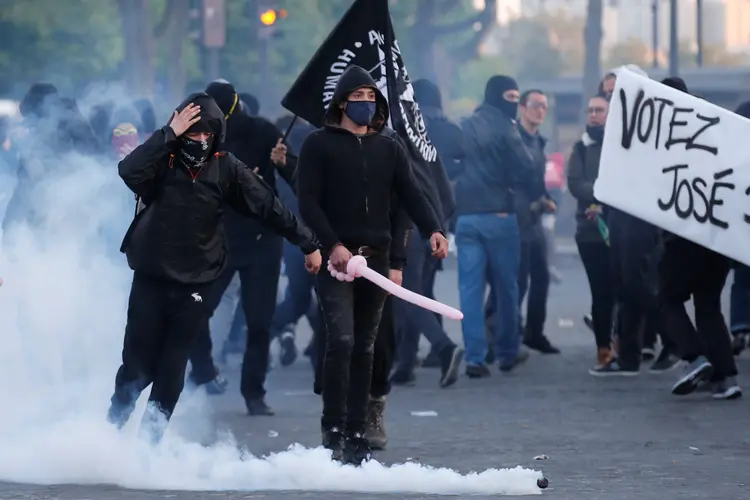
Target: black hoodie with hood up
179,236
346,182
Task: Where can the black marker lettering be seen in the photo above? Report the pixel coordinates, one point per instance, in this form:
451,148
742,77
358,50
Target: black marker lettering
745,216
647,105
673,124
687,194
629,130
710,122
715,201
698,186
687,212
666,205
664,104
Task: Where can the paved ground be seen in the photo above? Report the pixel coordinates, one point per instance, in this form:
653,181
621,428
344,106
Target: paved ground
615,439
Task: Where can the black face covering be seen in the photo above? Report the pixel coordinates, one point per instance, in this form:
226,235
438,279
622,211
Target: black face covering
596,132
195,153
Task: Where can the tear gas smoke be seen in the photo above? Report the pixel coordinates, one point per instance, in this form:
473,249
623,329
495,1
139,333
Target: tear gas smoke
63,309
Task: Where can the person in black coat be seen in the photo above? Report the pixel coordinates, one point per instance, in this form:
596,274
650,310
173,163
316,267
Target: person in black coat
254,251
176,247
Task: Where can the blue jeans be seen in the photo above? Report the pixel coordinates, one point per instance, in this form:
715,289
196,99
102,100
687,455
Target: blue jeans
489,248
739,311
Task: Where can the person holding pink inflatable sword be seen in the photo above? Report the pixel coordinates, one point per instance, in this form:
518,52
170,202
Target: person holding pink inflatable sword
347,174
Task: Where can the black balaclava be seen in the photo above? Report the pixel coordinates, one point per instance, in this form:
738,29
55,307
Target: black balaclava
493,94
225,96
194,154
427,93
676,83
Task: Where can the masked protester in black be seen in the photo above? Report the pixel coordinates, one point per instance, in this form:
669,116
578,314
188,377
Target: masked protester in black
348,172
177,250
254,251
688,270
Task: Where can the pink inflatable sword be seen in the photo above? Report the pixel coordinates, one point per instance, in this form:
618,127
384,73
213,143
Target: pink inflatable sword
357,268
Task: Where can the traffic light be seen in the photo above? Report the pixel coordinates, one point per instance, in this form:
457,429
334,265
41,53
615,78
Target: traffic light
269,16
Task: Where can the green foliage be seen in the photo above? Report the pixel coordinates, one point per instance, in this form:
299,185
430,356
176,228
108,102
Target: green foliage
67,41
530,51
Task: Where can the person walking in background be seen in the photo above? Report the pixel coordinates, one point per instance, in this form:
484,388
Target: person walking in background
487,232
583,169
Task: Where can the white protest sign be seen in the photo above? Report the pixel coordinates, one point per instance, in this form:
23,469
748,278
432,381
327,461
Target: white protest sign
678,162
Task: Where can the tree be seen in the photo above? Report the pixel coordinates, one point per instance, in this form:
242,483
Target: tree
68,43
713,55
566,36
528,47
631,51
592,37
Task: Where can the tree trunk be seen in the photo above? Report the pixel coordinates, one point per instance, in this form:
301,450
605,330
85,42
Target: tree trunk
177,30
592,39
137,30
424,40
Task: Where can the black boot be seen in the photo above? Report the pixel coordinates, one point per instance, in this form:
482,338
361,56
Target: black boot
357,449
333,440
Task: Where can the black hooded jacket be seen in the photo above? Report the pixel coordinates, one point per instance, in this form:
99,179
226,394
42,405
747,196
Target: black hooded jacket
179,236
250,139
346,182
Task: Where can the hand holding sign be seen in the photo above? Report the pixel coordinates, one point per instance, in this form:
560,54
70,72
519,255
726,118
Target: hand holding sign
677,162
357,268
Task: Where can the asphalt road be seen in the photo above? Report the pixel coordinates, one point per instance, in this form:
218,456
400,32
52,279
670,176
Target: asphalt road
616,439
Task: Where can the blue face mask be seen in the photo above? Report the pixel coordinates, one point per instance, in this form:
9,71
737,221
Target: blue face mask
360,112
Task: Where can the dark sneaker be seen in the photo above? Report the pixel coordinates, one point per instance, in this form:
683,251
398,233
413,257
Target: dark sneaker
258,407
357,450
726,389
739,342
432,360
403,378
665,362
648,353
288,353
477,371
217,386
541,344
695,373
522,356
450,364
588,321
375,432
613,369
333,440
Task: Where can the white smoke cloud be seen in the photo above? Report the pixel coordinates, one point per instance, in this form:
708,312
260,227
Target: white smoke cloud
63,308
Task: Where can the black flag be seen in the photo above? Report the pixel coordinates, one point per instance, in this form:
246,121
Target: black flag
365,37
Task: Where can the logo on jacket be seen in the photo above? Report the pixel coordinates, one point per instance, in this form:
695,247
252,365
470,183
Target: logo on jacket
196,297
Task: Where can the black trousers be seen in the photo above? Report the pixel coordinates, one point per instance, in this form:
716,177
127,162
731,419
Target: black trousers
634,252
690,270
413,321
259,281
352,313
597,263
383,356
163,321
534,278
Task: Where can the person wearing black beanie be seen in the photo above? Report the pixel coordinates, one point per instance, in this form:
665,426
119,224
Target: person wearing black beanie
497,167
254,251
